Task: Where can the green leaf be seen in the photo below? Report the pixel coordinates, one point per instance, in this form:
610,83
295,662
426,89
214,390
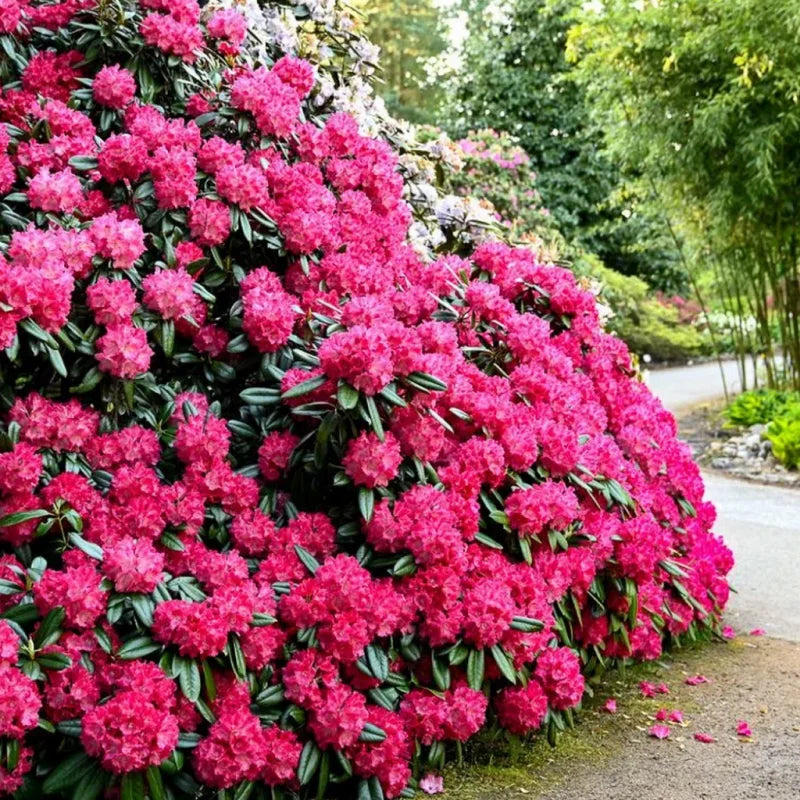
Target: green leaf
19,517
429,382
155,784
259,396
309,562
55,661
243,790
143,607
23,613
91,786
378,662
132,786
347,396
57,362
90,548
503,664
488,541
372,733
237,657
304,388
366,502
476,662
389,393
49,631
374,417
527,624
171,542
441,672
8,588
89,382
68,773
138,647
309,761
188,741
168,337
83,163
189,678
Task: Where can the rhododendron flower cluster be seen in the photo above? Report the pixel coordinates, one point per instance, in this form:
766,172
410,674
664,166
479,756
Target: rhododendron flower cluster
286,506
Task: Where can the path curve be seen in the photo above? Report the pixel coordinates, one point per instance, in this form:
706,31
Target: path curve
760,523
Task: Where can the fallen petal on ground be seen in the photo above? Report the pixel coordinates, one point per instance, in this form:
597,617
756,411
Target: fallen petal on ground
659,731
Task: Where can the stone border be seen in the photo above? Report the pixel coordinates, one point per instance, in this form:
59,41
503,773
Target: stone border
742,454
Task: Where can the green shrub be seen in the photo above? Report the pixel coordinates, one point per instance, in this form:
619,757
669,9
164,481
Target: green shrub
784,433
647,326
760,407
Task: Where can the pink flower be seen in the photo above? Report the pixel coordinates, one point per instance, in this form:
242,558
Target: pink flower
339,718
647,689
229,24
432,784
209,222
696,680
705,738
234,750
282,754
521,709
662,688
361,356
119,240
675,716
174,171
548,505
274,454
743,729
559,672
19,703
114,87
659,731
133,564
371,462
728,632
57,191
758,632
128,733
123,351
112,302
610,706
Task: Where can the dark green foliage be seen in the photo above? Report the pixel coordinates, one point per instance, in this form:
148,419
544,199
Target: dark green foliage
516,77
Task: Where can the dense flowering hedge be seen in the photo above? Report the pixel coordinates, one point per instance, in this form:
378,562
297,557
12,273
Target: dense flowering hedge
284,507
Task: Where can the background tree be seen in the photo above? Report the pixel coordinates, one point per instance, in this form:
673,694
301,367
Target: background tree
516,77
411,34
703,98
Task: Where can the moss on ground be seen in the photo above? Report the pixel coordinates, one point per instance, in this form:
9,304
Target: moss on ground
496,763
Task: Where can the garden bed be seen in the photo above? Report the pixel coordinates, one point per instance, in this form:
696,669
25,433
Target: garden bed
741,452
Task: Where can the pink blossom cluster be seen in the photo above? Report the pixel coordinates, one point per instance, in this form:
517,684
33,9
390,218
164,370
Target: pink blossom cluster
281,498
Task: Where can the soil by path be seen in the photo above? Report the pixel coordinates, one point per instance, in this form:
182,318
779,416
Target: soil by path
753,678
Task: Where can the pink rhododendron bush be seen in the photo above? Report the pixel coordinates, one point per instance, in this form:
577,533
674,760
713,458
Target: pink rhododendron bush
285,508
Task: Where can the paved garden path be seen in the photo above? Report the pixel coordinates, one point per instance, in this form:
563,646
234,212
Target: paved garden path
760,523
752,678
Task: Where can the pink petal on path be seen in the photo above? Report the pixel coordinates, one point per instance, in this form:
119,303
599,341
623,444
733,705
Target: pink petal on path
659,732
